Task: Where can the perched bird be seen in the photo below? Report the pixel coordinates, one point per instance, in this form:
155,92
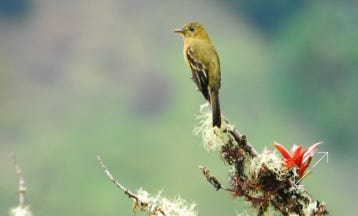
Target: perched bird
201,57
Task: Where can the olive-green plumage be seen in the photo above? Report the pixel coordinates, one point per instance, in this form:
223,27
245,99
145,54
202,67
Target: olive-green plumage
201,57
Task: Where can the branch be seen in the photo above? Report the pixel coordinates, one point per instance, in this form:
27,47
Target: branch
21,209
22,187
117,183
137,201
212,179
264,180
154,205
242,141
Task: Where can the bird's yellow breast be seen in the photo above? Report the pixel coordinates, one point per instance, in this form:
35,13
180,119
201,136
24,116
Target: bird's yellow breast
204,52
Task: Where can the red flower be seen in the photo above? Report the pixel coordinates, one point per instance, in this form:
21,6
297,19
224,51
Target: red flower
297,157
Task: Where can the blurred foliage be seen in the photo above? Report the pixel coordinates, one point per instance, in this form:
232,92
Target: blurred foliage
14,9
268,15
107,77
316,72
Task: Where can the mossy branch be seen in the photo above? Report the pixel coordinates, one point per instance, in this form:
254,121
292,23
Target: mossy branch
153,205
264,180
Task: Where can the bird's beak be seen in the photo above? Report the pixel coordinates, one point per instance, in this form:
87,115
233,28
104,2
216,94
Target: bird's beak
180,31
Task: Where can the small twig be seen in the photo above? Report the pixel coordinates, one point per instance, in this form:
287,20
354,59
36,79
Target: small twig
212,179
22,187
118,184
242,141
129,193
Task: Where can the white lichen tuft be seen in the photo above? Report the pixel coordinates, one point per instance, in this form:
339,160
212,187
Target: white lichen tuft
309,210
145,197
213,137
176,207
270,161
21,211
244,213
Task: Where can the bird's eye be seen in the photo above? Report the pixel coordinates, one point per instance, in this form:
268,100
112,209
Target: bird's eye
191,28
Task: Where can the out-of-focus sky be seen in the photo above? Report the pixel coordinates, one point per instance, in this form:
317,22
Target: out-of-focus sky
86,78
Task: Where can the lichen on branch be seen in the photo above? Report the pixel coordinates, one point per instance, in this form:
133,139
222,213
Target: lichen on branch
21,209
213,138
154,205
264,180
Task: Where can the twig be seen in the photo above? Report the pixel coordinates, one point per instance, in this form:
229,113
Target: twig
137,201
212,179
242,141
22,187
118,184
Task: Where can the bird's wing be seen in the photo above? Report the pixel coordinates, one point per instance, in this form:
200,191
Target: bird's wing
200,73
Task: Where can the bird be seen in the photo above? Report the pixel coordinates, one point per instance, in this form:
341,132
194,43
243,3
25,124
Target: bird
201,57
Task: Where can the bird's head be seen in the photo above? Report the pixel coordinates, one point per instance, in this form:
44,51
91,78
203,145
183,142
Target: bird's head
193,30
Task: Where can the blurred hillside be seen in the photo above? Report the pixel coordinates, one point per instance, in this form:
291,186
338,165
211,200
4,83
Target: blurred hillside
82,78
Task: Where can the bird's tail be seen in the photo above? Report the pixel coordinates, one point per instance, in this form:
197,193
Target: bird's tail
215,107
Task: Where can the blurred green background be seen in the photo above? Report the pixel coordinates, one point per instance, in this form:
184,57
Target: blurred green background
86,78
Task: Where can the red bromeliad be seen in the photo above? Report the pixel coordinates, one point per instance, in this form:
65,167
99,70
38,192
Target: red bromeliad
297,157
